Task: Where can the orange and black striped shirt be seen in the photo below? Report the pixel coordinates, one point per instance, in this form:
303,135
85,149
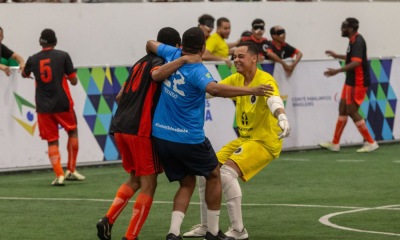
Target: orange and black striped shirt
357,51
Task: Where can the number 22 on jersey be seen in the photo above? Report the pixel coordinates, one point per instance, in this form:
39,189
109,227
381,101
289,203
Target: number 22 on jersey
178,79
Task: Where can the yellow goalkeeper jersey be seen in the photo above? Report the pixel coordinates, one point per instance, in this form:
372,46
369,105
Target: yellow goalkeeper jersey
254,119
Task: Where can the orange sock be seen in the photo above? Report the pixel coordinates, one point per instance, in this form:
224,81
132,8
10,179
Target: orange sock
362,127
140,212
55,159
341,123
72,147
120,201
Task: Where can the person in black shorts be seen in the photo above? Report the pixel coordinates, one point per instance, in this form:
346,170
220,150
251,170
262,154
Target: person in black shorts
263,45
132,127
357,82
51,69
283,49
6,53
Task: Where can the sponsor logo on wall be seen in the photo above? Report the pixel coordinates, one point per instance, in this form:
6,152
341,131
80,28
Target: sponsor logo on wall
28,117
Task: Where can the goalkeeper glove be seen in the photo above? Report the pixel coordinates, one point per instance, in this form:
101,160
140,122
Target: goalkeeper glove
284,125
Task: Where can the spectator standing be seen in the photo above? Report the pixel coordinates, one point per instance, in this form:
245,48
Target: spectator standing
216,47
357,82
283,49
6,53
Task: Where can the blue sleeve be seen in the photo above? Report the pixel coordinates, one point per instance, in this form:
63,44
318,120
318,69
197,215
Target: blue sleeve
203,78
168,53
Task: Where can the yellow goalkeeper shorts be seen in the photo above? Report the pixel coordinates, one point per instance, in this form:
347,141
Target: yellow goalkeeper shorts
250,156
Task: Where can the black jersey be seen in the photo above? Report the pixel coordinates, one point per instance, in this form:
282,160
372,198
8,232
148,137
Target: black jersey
139,99
51,68
285,51
357,51
5,52
263,45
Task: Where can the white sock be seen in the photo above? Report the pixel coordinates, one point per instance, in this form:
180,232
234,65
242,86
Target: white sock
201,182
213,221
233,196
176,222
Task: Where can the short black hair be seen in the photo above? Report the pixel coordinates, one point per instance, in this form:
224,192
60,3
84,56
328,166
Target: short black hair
251,47
193,40
246,34
353,23
206,19
48,37
272,31
257,21
221,20
169,36
1,29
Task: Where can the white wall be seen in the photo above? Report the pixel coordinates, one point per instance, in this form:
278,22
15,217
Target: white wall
116,33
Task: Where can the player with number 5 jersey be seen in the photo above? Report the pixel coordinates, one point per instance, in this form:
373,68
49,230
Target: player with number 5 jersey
51,69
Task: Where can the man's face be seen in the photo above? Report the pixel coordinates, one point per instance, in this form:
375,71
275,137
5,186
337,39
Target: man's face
258,31
1,35
280,35
224,30
206,30
345,29
243,60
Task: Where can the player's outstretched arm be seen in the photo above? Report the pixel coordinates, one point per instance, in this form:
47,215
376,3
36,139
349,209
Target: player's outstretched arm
6,69
276,106
299,55
332,72
334,55
166,70
288,69
152,46
223,90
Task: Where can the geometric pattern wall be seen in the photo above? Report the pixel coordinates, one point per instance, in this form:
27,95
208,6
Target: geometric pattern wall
102,86
379,105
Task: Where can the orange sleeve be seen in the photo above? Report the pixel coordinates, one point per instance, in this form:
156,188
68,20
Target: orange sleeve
155,68
71,75
355,59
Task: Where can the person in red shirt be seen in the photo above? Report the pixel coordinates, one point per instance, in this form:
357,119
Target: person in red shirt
357,82
51,69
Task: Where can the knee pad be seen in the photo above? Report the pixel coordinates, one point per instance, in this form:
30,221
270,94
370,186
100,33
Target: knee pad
230,183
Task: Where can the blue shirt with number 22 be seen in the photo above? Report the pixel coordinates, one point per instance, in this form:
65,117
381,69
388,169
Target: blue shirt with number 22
179,115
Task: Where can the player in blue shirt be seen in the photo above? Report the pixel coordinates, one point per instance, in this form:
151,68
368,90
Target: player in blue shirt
179,138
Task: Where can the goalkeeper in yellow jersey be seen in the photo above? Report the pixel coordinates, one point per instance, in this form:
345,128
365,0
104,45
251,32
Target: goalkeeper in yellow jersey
262,124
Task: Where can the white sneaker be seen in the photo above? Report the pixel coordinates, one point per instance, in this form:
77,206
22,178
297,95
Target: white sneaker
74,176
236,234
196,231
330,146
59,181
369,147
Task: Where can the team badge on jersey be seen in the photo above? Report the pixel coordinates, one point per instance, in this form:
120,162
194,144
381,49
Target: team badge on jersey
208,75
265,47
239,150
253,99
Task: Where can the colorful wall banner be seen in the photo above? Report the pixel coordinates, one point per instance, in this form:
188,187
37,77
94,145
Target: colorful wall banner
310,98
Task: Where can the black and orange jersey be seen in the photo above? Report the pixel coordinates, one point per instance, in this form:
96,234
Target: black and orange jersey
285,51
263,45
5,52
51,69
139,99
357,51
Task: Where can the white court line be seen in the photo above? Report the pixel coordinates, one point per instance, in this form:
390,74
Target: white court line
346,160
325,220
27,178
294,159
396,161
169,202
